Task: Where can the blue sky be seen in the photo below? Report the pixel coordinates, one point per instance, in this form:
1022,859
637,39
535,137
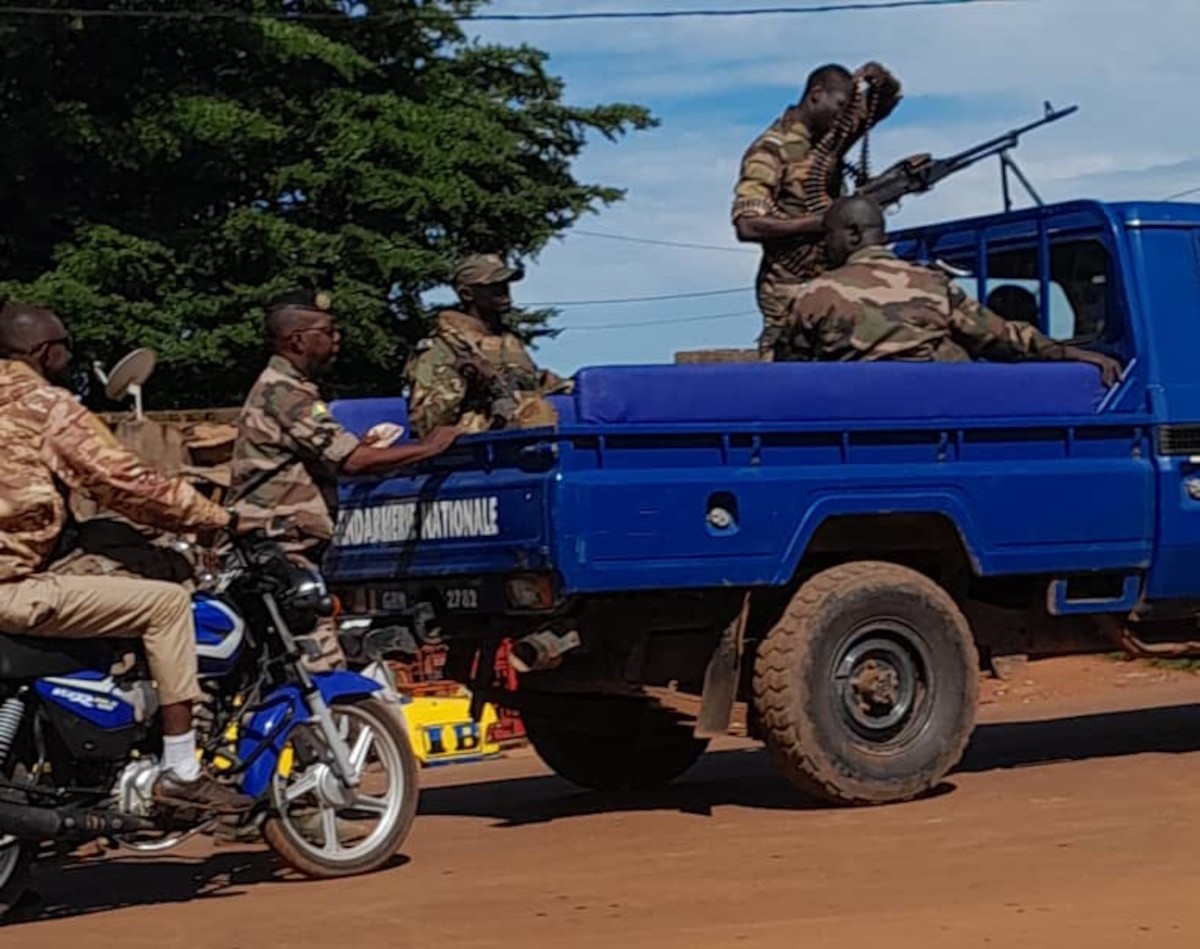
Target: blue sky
969,72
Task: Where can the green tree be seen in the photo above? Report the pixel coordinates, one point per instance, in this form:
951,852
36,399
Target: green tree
159,178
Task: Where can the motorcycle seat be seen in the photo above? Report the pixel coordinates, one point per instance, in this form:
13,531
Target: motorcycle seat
32,657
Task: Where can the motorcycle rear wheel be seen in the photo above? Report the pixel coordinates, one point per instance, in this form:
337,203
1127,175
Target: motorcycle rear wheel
16,857
313,814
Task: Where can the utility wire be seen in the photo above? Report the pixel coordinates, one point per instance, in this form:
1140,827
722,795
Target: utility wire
1181,194
659,243
654,299
420,14
634,324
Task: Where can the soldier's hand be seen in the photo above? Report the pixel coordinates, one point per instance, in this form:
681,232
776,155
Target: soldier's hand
474,369
441,438
1110,369
873,73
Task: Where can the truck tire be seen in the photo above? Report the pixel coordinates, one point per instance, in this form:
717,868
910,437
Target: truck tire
634,745
867,688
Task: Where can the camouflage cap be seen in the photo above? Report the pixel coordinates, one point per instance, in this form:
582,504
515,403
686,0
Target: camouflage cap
478,270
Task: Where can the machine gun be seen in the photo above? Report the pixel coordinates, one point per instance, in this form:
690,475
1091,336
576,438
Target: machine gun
920,173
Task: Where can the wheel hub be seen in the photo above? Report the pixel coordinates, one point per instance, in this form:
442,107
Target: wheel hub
330,791
878,679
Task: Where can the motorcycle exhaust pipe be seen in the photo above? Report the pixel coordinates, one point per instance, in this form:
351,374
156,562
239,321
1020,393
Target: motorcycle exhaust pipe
47,823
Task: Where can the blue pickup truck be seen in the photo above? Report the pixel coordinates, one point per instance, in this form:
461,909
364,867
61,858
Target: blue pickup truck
843,547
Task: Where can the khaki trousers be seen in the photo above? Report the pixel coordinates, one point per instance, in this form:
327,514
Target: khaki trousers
82,607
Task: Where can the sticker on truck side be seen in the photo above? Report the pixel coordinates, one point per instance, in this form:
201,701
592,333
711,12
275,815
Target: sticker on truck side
409,520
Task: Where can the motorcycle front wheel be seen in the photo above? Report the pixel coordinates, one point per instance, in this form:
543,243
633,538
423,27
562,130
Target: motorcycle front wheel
322,828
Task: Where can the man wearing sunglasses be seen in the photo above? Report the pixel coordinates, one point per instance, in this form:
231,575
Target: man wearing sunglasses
50,443
290,450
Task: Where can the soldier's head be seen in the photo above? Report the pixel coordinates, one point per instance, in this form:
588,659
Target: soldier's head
482,282
301,328
36,336
827,91
852,224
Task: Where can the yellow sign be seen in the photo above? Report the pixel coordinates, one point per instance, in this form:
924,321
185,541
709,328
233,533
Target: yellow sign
441,729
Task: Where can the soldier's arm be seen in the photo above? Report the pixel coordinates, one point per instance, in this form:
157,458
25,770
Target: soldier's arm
88,458
318,436
438,389
985,334
754,216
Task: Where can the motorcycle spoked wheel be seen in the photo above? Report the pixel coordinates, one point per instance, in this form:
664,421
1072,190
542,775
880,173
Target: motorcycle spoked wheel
325,830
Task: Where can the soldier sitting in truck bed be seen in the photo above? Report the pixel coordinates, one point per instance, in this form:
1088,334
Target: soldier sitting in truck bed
472,371
875,306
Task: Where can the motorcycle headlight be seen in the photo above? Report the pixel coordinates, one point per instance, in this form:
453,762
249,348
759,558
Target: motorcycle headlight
307,598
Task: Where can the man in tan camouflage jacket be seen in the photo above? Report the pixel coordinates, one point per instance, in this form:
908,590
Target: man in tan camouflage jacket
471,371
874,306
290,450
49,444
771,204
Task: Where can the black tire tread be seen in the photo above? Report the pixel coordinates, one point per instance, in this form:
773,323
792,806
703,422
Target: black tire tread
646,750
788,648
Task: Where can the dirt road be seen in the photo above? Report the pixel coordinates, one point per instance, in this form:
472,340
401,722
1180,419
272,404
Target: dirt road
1056,832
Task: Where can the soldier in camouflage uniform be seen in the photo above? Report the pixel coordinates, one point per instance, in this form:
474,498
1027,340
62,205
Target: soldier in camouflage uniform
471,371
875,306
290,450
770,204
49,444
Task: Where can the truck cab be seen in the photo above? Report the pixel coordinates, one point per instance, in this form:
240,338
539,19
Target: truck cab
837,548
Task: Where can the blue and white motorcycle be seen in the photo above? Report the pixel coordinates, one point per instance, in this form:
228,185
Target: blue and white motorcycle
324,755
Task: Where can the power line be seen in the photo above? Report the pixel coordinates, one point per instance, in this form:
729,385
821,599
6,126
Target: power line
422,14
1181,194
654,299
660,243
634,324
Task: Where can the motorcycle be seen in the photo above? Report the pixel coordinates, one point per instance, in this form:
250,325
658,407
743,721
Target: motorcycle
324,755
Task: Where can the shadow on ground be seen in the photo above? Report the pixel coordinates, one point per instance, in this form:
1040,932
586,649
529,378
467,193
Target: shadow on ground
82,886
747,778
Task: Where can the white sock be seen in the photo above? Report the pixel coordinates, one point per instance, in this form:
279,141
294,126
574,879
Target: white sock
179,756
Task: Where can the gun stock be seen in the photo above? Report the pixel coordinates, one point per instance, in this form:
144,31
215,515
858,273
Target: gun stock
920,173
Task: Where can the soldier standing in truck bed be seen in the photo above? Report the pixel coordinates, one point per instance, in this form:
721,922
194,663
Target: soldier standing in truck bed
779,204
472,371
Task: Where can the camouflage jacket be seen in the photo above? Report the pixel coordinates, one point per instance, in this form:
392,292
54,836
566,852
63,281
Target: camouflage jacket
441,395
49,444
877,306
774,179
286,460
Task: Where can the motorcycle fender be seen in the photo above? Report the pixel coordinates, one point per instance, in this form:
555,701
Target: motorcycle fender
265,735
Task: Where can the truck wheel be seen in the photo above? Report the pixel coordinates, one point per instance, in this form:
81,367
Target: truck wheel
867,688
635,745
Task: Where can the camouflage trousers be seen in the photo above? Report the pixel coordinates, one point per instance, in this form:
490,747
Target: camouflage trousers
322,650
774,302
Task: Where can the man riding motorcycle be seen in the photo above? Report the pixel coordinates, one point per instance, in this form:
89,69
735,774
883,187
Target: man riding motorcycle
49,444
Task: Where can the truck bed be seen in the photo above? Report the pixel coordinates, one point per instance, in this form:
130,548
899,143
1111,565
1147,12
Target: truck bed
703,476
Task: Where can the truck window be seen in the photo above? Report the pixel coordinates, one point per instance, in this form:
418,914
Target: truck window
1077,302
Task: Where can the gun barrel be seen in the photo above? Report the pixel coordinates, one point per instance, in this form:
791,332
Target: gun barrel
1007,140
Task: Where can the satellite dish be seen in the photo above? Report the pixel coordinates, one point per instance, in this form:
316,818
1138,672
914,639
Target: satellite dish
128,376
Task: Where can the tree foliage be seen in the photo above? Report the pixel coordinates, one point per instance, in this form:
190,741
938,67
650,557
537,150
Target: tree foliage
159,178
